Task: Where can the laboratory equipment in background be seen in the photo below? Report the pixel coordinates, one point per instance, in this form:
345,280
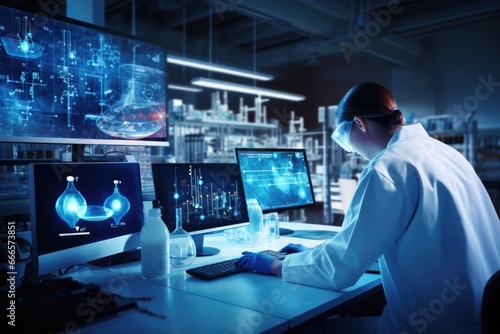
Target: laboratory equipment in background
211,135
457,131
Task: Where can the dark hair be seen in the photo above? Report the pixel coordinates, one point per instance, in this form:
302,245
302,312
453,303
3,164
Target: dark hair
371,100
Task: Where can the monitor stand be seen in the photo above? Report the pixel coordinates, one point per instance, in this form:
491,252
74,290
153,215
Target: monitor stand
120,258
285,231
203,251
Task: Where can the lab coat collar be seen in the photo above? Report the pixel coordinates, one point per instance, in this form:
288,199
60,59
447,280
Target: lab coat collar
407,131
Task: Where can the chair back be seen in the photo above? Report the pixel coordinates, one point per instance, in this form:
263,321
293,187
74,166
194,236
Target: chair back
490,308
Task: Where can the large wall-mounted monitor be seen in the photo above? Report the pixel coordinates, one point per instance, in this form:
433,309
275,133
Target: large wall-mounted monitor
278,178
83,212
210,196
66,82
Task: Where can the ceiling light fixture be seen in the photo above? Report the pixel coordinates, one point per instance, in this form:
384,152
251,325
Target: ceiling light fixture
217,68
185,88
218,84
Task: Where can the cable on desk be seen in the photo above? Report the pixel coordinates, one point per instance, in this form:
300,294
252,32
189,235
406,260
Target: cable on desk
142,299
143,309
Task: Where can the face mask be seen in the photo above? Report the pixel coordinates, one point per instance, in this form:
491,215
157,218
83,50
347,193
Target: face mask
341,135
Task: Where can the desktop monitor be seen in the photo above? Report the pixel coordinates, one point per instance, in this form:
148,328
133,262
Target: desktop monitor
82,212
278,178
210,196
63,81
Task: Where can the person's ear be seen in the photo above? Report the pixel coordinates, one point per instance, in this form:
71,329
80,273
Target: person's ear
361,123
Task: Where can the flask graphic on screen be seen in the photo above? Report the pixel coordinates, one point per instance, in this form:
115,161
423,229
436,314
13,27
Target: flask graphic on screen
135,115
71,205
117,203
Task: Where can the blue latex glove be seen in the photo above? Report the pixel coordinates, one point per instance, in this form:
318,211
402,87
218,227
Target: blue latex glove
293,248
257,262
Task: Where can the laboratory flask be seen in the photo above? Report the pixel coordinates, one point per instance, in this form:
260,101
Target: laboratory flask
139,113
182,246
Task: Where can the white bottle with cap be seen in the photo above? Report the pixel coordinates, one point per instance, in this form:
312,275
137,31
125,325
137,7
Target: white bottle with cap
155,245
255,219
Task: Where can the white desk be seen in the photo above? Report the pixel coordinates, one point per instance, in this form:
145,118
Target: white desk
185,312
240,303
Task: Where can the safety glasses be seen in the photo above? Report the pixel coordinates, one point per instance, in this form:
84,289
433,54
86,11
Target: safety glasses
341,135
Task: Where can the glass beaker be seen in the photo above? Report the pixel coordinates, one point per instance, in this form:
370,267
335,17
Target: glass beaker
270,226
140,112
182,246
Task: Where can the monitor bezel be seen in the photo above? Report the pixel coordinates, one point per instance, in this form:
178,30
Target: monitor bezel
48,263
146,141
237,150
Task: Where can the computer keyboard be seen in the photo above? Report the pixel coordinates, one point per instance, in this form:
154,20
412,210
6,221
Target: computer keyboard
226,267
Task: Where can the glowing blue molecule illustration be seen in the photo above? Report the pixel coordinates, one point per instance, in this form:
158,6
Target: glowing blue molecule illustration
117,203
71,205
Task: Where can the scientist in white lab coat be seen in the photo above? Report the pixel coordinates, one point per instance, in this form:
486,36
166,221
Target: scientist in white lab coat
419,208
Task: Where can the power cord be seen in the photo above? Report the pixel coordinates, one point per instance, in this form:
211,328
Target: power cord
143,309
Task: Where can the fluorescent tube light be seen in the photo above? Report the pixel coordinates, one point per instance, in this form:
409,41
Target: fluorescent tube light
218,68
224,85
185,88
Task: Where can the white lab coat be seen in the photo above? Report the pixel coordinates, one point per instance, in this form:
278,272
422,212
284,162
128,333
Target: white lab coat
420,208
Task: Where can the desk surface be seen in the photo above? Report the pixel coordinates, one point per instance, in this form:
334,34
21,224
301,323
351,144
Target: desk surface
240,303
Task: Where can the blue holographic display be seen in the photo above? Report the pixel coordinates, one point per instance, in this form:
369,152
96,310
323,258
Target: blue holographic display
60,79
278,178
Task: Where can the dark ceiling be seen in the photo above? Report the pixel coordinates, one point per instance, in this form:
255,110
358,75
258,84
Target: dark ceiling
269,35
